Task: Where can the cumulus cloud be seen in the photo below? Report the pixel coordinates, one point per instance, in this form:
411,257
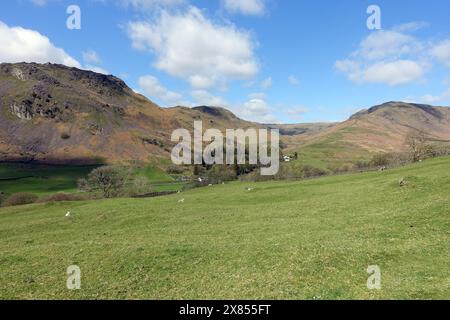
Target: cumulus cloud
203,97
150,86
390,44
190,46
256,110
245,7
392,73
387,56
24,45
431,99
410,26
91,56
441,51
96,69
92,60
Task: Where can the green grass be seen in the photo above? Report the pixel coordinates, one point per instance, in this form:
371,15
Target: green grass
160,180
334,150
284,240
154,174
45,180
40,179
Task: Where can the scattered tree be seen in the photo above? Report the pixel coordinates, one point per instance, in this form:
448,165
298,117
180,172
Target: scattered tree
418,146
108,181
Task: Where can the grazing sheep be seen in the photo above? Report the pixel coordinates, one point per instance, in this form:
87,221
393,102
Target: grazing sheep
181,201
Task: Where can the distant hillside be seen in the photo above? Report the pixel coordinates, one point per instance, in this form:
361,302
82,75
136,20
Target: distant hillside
382,128
56,114
301,128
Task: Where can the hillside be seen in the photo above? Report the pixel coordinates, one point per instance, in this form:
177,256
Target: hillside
59,115
56,114
382,128
283,240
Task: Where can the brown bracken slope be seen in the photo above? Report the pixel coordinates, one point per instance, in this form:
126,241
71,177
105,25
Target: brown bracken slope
380,129
56,114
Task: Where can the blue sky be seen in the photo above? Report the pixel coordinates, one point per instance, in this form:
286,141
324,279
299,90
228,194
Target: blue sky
267,60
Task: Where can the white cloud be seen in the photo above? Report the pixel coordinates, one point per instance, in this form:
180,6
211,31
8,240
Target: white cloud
189,46
96,69
394,73
24,45
201,82
293,80
388,44
266,83
388,57
441,51
151,86
245,7
431,99
256,110
203,97
410,26
91,56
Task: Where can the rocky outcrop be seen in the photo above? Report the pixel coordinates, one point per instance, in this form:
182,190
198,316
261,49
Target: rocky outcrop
22,111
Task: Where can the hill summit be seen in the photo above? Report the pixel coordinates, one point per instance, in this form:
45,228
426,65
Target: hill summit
56,114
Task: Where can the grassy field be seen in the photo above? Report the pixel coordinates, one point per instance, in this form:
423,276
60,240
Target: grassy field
40,179
283,240
333,151
161,181
44,180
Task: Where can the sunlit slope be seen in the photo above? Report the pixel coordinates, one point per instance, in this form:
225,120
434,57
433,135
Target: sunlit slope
379,129
54,114
311,239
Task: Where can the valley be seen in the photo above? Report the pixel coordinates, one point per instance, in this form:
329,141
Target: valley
309,239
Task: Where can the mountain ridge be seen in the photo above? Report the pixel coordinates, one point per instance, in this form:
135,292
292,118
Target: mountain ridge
57,114
381,129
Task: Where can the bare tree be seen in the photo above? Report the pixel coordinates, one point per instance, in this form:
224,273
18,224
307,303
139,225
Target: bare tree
418,146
